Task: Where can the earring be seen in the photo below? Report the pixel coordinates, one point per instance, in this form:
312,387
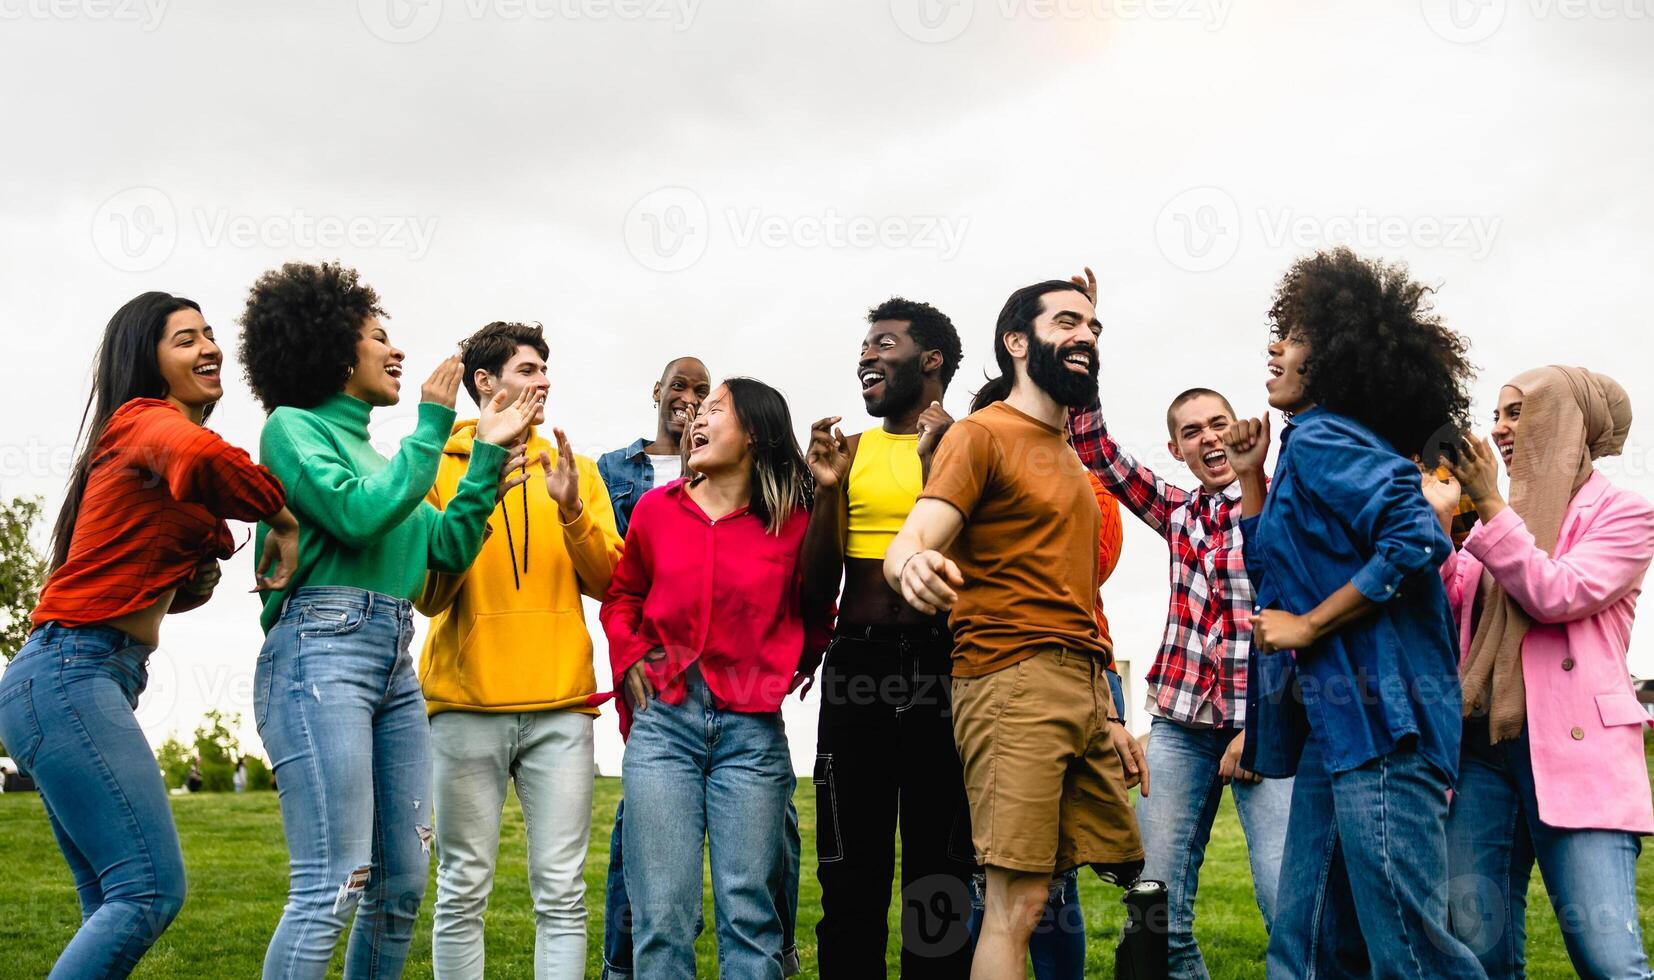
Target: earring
350,370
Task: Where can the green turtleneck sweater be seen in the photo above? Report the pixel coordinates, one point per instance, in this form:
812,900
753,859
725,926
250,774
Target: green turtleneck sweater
363,519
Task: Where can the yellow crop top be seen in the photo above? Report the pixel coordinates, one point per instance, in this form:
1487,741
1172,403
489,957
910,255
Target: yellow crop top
885,481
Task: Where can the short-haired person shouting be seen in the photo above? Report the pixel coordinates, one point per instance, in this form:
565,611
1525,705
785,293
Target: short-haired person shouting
1197,684
1033,715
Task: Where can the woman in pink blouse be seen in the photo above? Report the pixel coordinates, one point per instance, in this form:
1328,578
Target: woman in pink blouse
708,632
1545,590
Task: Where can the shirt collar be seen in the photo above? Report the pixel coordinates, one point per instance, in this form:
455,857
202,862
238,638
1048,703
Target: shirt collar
637,449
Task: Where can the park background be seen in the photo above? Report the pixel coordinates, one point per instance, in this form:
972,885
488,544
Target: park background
742,180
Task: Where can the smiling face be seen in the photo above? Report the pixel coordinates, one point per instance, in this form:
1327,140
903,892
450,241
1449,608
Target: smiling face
682,387
1197,439
717,439
1062,357
1286,387
891,368
190,361
525,371
377,376
1505,418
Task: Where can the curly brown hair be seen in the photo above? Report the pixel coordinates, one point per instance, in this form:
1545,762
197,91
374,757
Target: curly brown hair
299,332
1377,351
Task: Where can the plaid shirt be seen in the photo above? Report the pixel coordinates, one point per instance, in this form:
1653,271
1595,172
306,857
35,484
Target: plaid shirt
1199,676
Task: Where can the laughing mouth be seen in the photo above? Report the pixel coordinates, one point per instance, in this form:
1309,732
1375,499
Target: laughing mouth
698,440
207,371
870,378
1215,458
394,370
1081,359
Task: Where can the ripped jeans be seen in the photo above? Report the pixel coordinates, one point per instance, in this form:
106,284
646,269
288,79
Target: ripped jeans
339,709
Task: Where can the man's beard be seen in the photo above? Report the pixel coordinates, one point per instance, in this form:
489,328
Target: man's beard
904,385
1047,370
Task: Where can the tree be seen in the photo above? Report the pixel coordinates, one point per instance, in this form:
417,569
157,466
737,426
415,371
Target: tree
174,758
218,748
22,570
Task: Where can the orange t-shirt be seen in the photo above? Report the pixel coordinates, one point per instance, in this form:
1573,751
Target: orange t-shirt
1109,541
1028,551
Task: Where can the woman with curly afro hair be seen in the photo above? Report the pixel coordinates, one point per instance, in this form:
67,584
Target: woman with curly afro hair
337,699
1353,625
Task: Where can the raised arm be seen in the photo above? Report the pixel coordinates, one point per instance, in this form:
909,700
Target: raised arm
821,559
1142,491
455,533
914,564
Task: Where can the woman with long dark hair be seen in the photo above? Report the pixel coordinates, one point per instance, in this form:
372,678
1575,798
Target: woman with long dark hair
336,696
1552,768
708,631
1344,558
140,535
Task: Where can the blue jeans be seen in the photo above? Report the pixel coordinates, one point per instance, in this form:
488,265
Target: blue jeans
617,908
1176,822
1494,835
66,704
694,773
338,706
1382,825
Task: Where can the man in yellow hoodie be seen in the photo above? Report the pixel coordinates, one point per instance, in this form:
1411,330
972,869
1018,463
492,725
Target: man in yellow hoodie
507,671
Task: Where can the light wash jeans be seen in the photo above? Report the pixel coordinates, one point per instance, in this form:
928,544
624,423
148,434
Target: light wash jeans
1176,823
1363,889
1494,836
338,706
550,755
694,773
66,704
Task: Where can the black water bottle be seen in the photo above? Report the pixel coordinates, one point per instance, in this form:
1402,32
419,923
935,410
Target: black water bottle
1142,953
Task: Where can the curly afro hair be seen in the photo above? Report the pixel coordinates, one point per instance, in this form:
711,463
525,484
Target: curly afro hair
1377,353
299,332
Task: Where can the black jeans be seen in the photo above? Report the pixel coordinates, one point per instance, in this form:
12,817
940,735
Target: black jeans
885,753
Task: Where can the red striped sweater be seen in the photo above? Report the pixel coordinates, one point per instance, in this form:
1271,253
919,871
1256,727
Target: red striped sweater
156,499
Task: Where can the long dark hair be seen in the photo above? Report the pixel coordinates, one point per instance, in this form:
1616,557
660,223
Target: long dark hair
780,478
127,367
1017,316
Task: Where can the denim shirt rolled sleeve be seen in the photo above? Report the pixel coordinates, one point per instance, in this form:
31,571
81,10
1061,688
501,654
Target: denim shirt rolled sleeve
1346,508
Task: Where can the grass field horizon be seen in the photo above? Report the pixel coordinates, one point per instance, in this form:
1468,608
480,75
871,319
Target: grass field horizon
237,864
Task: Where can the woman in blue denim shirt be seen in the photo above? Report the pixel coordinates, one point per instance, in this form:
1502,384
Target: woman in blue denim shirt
1344,556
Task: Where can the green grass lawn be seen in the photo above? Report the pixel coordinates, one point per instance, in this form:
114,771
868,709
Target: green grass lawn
238,881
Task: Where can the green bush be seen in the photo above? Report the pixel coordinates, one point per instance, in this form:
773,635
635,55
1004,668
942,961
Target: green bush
259,776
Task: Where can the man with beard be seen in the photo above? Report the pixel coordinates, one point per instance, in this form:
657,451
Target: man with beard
884,748
1034,722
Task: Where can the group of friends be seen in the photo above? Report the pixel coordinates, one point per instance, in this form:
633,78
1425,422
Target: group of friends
1415,687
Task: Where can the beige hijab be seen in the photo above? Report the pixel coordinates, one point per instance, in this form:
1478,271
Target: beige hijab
1570,416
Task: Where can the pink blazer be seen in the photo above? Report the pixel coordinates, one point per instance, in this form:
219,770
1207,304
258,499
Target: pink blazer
1585,727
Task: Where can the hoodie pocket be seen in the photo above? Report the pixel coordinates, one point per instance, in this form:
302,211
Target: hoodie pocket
524,659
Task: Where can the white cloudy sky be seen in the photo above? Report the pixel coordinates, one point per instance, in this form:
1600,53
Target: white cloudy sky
741,180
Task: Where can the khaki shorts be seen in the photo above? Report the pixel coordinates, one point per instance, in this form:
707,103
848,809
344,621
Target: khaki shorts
1047,790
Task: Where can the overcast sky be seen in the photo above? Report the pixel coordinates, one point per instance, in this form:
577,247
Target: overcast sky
741,181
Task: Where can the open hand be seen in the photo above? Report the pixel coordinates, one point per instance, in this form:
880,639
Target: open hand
563,477
1477,469
1131,757
504,423
1088,282
1443,495
442,387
